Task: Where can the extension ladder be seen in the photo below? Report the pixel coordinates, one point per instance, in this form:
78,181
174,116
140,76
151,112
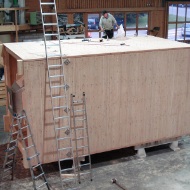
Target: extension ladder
81,137
19,125
59,96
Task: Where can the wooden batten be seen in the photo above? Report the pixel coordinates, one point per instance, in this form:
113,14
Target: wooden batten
20,67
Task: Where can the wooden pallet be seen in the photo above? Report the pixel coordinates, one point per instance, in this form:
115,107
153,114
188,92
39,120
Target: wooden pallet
2,93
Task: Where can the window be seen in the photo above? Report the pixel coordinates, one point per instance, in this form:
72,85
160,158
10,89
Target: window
178,21
93,25
136,23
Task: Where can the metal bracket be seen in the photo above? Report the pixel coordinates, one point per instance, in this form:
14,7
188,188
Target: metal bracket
66,62
67,132
66,87
66,110
69,154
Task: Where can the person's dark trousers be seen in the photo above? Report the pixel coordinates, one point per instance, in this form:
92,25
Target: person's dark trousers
1,72
108,33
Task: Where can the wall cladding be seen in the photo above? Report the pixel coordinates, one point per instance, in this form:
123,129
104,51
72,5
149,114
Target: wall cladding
91,4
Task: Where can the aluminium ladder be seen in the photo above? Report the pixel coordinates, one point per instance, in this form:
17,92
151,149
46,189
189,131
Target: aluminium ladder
58,92
19,125
81,137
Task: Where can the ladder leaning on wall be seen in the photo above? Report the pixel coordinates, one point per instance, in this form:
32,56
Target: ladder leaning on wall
81,137
59,94
19,125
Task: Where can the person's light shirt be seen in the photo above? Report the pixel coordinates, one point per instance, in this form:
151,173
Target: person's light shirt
107,23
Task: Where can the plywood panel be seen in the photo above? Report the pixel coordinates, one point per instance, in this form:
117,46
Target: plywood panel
134,95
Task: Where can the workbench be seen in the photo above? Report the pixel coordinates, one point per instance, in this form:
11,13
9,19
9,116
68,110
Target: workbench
137,89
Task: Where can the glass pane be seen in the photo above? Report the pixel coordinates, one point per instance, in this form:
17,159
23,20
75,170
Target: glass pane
181,12
93,21
78,18
185,30
131,20
142,32
143,20
180,32
172,13
119,18
171,31
94,34
62,19
188,12
130,32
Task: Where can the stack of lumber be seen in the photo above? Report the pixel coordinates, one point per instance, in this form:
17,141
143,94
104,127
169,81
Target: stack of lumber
2,94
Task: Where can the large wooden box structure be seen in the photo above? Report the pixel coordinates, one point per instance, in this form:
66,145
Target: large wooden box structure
136,93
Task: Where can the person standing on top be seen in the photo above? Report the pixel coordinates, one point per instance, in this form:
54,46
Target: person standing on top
107,22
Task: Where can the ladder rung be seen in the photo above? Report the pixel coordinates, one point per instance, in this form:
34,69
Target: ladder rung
54,34
53,66
14,125
58,96
85,173
29,158
83,119
82,115
33,167
59,107
78,104
36,177
48,14
88,164
41,185
29,147
47,3
80,138
59,128
58,86
21,117
64,138
7,169
65,159
84,155
14,133
13,141
29,136
10,148
80,147
63,117
24,127
65,170
55,76
61,149
10,154
8,162
50,24
79,110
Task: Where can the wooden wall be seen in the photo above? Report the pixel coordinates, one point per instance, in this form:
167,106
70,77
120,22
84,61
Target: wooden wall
91,4
69,7
33,5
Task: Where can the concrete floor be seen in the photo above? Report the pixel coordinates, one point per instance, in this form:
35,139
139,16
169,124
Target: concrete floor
161,169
